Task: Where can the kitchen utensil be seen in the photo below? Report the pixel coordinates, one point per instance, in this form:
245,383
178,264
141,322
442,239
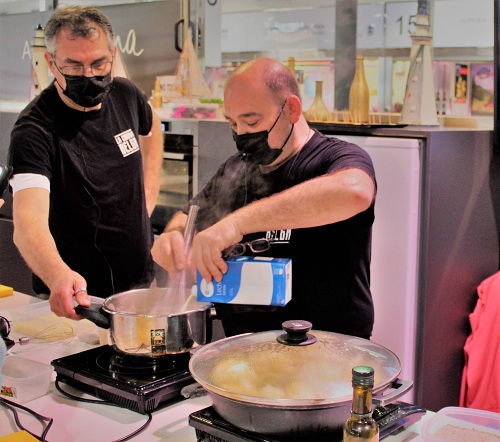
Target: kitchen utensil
136,330
176,288
39,322
293,383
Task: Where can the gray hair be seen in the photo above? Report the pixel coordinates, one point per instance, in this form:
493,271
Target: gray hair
80,21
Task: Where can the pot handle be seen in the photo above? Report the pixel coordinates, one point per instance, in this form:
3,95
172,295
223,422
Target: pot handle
95,314
399,388
193,390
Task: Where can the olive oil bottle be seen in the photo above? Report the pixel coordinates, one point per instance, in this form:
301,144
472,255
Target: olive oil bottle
361,427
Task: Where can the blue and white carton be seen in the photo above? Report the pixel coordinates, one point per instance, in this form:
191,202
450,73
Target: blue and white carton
254,280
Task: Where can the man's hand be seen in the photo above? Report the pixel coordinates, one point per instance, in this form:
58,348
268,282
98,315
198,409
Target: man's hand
208,245
168,251
65,286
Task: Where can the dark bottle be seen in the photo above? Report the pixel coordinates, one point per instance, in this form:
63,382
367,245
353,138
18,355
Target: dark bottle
361,426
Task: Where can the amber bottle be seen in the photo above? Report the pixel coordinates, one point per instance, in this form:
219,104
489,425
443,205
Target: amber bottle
291,66
359,94
157,97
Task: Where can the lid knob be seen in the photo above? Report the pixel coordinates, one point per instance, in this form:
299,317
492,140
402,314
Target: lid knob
296,333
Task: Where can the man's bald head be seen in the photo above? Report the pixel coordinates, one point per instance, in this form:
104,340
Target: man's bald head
273,74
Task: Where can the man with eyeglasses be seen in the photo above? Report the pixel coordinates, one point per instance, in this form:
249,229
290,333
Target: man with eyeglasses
87,156
289,192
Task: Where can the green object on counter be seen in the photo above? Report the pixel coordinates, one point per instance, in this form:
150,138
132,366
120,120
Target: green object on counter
211,100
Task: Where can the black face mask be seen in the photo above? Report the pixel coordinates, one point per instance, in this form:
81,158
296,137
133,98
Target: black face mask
254,147
87,91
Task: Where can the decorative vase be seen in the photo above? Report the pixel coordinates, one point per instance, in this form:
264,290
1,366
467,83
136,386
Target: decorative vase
318,110
291,66
359,95
157,97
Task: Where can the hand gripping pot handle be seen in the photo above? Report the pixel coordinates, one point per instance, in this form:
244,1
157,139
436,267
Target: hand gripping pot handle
396,389
95,314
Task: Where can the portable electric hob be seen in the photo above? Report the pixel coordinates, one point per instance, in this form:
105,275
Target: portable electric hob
139,384
210,427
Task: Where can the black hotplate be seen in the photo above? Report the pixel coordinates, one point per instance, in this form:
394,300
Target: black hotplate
139,384
210,427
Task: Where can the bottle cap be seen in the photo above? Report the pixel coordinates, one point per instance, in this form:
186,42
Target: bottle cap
363,375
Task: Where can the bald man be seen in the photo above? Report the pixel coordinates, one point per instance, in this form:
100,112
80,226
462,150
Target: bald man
300,194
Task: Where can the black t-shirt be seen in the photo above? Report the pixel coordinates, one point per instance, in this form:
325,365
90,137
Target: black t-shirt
98,214
330,264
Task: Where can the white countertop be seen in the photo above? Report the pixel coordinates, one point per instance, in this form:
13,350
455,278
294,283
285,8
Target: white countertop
77,421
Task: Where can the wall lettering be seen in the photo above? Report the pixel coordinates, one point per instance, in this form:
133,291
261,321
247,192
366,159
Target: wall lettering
130,43
26,50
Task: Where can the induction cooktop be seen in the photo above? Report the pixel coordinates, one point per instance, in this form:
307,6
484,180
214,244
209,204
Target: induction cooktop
210,427
139,384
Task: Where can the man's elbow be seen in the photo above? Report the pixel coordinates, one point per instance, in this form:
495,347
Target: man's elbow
362,193
17,236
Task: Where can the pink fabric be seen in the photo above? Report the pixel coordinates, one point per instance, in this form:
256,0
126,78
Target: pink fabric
481,376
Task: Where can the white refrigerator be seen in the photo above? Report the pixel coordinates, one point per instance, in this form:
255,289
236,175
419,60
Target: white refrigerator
395,245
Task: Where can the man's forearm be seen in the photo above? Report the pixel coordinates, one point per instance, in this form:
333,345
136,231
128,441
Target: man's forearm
152,157
32,235
323,200
38,249
177,223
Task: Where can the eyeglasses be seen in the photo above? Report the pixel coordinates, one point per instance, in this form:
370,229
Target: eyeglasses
256,246
98,69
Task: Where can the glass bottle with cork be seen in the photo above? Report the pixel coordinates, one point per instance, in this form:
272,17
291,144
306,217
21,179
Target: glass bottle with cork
361,427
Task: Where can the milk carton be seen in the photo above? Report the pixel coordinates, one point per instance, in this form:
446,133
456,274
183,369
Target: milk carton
251,280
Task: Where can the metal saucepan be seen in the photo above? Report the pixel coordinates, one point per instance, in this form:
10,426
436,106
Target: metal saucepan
136,330
293,384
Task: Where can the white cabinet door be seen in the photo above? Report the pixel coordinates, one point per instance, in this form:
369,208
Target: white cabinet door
395,245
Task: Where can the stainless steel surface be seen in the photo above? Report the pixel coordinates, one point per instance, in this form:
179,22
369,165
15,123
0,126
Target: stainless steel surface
136,330
302,422
176,288
184,175
176,180
135,325
261,385
282,421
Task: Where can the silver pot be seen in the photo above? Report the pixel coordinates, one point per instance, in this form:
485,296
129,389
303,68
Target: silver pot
291,384
136,330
